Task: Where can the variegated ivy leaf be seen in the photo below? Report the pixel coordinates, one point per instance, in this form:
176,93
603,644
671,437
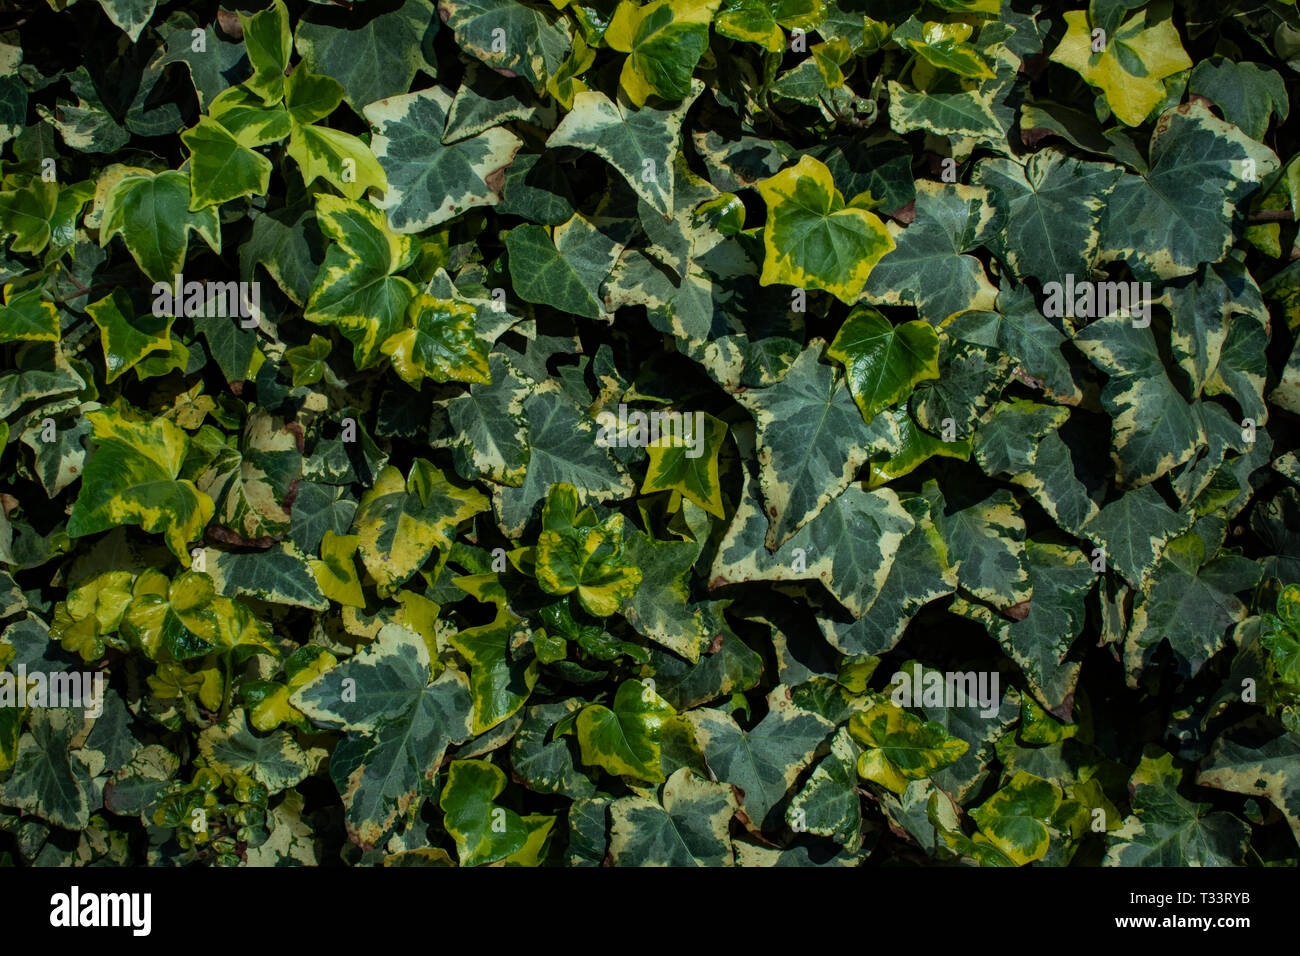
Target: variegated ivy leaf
829,803
930,268
849,546
399,727
812,239
152,215
276,761
882,362
1133,64
375,58
1154,428
763,21
664,40
660,608
1167,829
336,572
440,344
253,483
1060,577
765,760
510,37
1191,602
268,42
50,779
222,168
1133,530
401,522
132,478
357,289
27,316
588,561
943,45
687,826
986,544
968,113
919,573
687,462
131,15
1017,819
280,575
564,448
811,441
1258,759
491,430
626,739
430,182
547,763
486,100
1049,211
499,682
639,143
125,336
899,445
321,152
1198,166
1247,93
899,747
564,269
484,832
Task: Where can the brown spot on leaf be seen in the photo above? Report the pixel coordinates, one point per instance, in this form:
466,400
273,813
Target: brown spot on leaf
230,25
715,645
905,214
1018,612
496,180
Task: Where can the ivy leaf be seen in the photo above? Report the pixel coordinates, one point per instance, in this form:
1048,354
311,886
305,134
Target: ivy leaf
430,182
532,43
688,826
401,521
811,441
587,560
499,683
1154,429
1256,759
1167,829
1017,819
322,152
1166,222
986,544
336,572
490,426
357,288
639,143
930,268
660,607
565,269
27,316
762,21
883,363
1247,93
1190,602
812,240
1133,531
131,478
764,761
152,215
688,463
664,40
1130,69
829,803
900,747
484,832
626,739
563,449
373,59
276,761
1050,210
127,338
399,727
221,168
943,45
440,344
49,779
268,42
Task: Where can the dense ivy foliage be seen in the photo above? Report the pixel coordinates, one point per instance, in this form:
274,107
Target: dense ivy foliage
699,432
